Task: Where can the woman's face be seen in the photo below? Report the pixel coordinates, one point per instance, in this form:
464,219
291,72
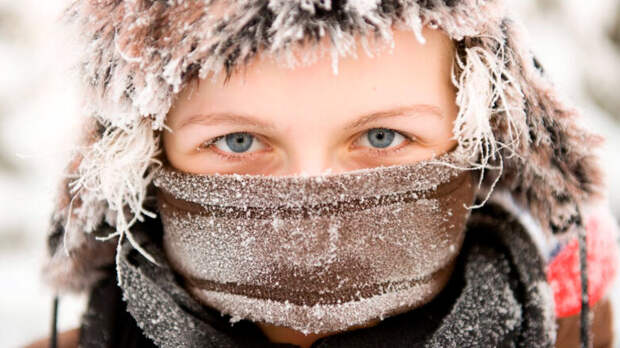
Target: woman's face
395,108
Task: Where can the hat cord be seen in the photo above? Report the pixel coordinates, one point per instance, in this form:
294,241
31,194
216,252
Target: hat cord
53,336
583,268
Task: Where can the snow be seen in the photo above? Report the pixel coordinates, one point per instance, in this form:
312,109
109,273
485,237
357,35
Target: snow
38,122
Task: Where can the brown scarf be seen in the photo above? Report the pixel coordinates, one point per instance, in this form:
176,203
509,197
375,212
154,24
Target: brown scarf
316,253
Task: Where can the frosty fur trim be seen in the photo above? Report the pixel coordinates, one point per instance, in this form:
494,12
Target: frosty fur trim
115,168
137,55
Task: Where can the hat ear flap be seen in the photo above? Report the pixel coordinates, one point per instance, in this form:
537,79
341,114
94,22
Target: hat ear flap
548,161
562,171
75,259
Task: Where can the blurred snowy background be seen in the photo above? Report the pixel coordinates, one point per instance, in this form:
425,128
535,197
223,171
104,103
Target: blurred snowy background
578,43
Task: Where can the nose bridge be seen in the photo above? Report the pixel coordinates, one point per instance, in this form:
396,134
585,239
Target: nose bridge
311,160
310,153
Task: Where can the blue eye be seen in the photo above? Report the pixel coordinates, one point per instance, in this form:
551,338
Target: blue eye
239,142
382,137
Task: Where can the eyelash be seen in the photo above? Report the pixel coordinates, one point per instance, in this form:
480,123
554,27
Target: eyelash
231,157
375,152
378,152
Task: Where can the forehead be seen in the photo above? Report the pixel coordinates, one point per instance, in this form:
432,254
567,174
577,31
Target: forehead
409,73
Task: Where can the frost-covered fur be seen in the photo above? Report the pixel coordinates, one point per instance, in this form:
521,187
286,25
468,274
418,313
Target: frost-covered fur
137,55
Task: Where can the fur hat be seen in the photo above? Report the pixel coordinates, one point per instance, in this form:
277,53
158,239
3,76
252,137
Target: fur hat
137,55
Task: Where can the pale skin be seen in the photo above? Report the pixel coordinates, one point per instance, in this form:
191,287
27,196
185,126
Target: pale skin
394,108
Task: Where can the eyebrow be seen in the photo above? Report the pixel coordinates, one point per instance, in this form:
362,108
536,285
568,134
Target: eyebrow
226,117
233,118
412,110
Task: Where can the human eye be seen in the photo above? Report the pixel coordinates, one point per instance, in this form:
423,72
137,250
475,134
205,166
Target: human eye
384,140
236,145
